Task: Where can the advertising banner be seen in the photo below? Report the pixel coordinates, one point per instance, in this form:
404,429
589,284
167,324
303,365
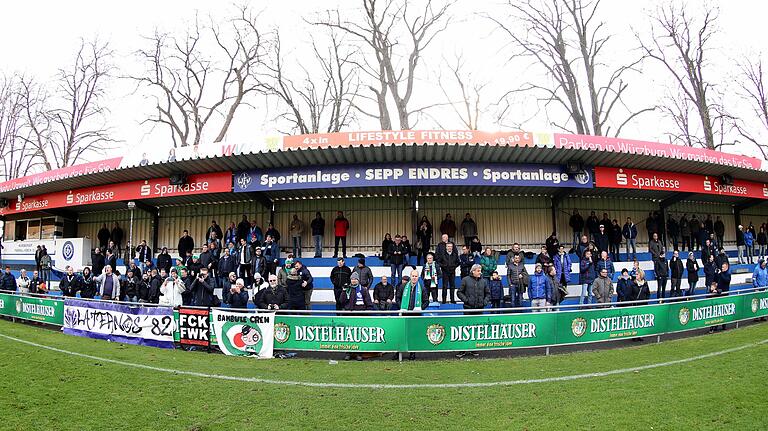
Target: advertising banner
704,313
194,327
586,326
341,140
410,174
638,179
60,174
644,148
333,333
244,334
487,331
145,189
32,308
147,326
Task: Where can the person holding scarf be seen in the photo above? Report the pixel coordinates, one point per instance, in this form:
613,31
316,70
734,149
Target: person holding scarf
430,273
412,297
355,297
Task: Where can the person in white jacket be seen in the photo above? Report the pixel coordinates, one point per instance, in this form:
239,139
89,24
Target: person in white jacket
171,290
23,282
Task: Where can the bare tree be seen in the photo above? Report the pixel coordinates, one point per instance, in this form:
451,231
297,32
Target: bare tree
322,99
67,123
752,81
191,83
680,42
565,38
389,61
467,103
18,155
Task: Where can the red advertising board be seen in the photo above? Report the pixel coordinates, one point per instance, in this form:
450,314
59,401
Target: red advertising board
334,140
638,179
644,148
60,174
146,189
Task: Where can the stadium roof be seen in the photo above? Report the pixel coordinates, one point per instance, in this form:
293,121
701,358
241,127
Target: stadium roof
397,153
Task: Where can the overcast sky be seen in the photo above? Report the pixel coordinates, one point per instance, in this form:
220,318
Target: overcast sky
41,36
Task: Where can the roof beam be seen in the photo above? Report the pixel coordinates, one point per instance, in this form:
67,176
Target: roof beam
748,204
263,199
674,198
147,207
59,212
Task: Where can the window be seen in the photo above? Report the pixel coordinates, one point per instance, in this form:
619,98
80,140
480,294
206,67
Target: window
33,229
48,228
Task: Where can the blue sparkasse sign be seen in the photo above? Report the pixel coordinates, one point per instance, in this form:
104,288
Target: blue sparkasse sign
411,174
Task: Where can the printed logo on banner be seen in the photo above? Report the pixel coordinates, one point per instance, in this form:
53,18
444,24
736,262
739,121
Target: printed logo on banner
68,250
579,327
193,327
684,316
582,177
2,304
244,334
435,334
755,305
146,189
70,198
621,178
707,184
765,190
244,180
282,332
19,306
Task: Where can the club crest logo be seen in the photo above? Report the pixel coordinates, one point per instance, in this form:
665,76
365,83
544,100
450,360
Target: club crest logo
435,334
68,250
579,327
684,316
621,178
18,306
755,305
282,332
582,177
243,180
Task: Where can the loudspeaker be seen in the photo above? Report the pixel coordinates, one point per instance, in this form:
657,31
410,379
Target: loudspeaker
573,168
726,180
177,179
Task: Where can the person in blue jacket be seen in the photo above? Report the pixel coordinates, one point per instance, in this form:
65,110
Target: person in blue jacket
748,243
563,267
606,263
586,276
497,289
760,275
540,289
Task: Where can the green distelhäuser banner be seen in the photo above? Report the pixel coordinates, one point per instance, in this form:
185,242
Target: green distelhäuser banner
32,308
467,332
332,333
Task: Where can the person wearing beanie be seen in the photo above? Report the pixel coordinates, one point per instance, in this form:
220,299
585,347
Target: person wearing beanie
355,296
282,275
295,291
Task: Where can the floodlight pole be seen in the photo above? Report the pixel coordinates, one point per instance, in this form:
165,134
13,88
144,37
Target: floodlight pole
131,206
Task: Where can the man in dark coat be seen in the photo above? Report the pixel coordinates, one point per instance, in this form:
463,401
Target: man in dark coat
97,262
117,237
70,283
676,274
103,236
186,244
475,294
340,275
202,289
274,297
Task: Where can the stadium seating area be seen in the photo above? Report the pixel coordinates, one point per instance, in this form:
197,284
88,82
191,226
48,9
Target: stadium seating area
323,290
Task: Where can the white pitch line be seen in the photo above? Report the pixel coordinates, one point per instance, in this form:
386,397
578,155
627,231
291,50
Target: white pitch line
393,386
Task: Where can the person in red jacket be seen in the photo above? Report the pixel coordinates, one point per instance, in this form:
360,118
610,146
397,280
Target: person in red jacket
340,228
